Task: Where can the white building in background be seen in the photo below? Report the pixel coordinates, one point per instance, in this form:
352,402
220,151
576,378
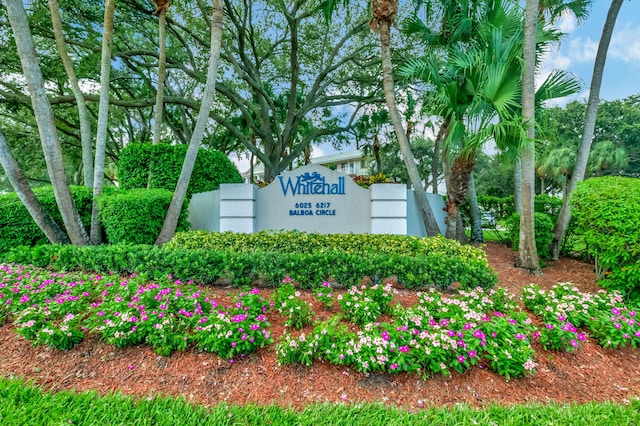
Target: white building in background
353,163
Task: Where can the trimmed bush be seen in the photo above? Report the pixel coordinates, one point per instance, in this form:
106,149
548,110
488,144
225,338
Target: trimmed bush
16,226
159,166
267,268
608,215
136,216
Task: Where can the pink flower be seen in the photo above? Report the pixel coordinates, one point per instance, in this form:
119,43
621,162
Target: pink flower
461,358
132,367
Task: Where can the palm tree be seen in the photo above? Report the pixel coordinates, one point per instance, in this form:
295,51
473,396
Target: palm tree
383,14
474,68
171,220
103,116
83,112
45,121
527,251
474,71
582,158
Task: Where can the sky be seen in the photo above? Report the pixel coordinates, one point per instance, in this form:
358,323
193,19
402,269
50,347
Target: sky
577,50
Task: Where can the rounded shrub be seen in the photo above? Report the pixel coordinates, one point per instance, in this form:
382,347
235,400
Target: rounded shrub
136,216
159,166
608,216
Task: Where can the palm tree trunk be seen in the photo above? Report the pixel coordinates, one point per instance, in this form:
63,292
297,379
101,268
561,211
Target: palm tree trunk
45,121
443,132
476,219
517,186
18,181
457,186
527,252
103,117
591,112
83,112
171,220
389,94
162,71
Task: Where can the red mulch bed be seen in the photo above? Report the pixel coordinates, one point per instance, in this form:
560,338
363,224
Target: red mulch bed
591,374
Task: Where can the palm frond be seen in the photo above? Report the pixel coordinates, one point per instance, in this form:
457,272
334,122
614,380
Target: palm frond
558,84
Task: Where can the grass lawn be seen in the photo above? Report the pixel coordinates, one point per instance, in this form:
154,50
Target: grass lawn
24,404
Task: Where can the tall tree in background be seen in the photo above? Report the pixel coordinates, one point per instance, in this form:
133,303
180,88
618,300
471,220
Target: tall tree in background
46,125
83,112
171,220
527,252
103,117
161,11
582,158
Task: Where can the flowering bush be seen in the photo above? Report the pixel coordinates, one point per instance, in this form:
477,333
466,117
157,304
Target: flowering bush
365,304
287,303
237,330
437,335
561,336
617,329
564,308
324,295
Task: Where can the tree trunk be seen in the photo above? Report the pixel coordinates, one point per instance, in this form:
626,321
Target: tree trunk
103,117
457,186
517,186
428,218
45,121
527,252
591,112
476,219
83,112
443,132
18,181
171,220
162,71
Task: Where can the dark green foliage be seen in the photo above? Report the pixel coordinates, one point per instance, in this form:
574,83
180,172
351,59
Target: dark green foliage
543,228
16,226
608,215
159,166
136,216
442,264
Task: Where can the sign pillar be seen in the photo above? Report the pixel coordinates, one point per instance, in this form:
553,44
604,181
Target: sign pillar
237,207
388,209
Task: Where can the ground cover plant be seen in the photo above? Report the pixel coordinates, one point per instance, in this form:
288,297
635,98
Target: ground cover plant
437,335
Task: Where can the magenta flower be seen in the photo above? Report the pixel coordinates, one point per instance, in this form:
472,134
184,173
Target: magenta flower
461,358
472,354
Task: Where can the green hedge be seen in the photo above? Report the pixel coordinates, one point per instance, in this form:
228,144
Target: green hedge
160,166
608,215
18,228
266,268
136,216
302,242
